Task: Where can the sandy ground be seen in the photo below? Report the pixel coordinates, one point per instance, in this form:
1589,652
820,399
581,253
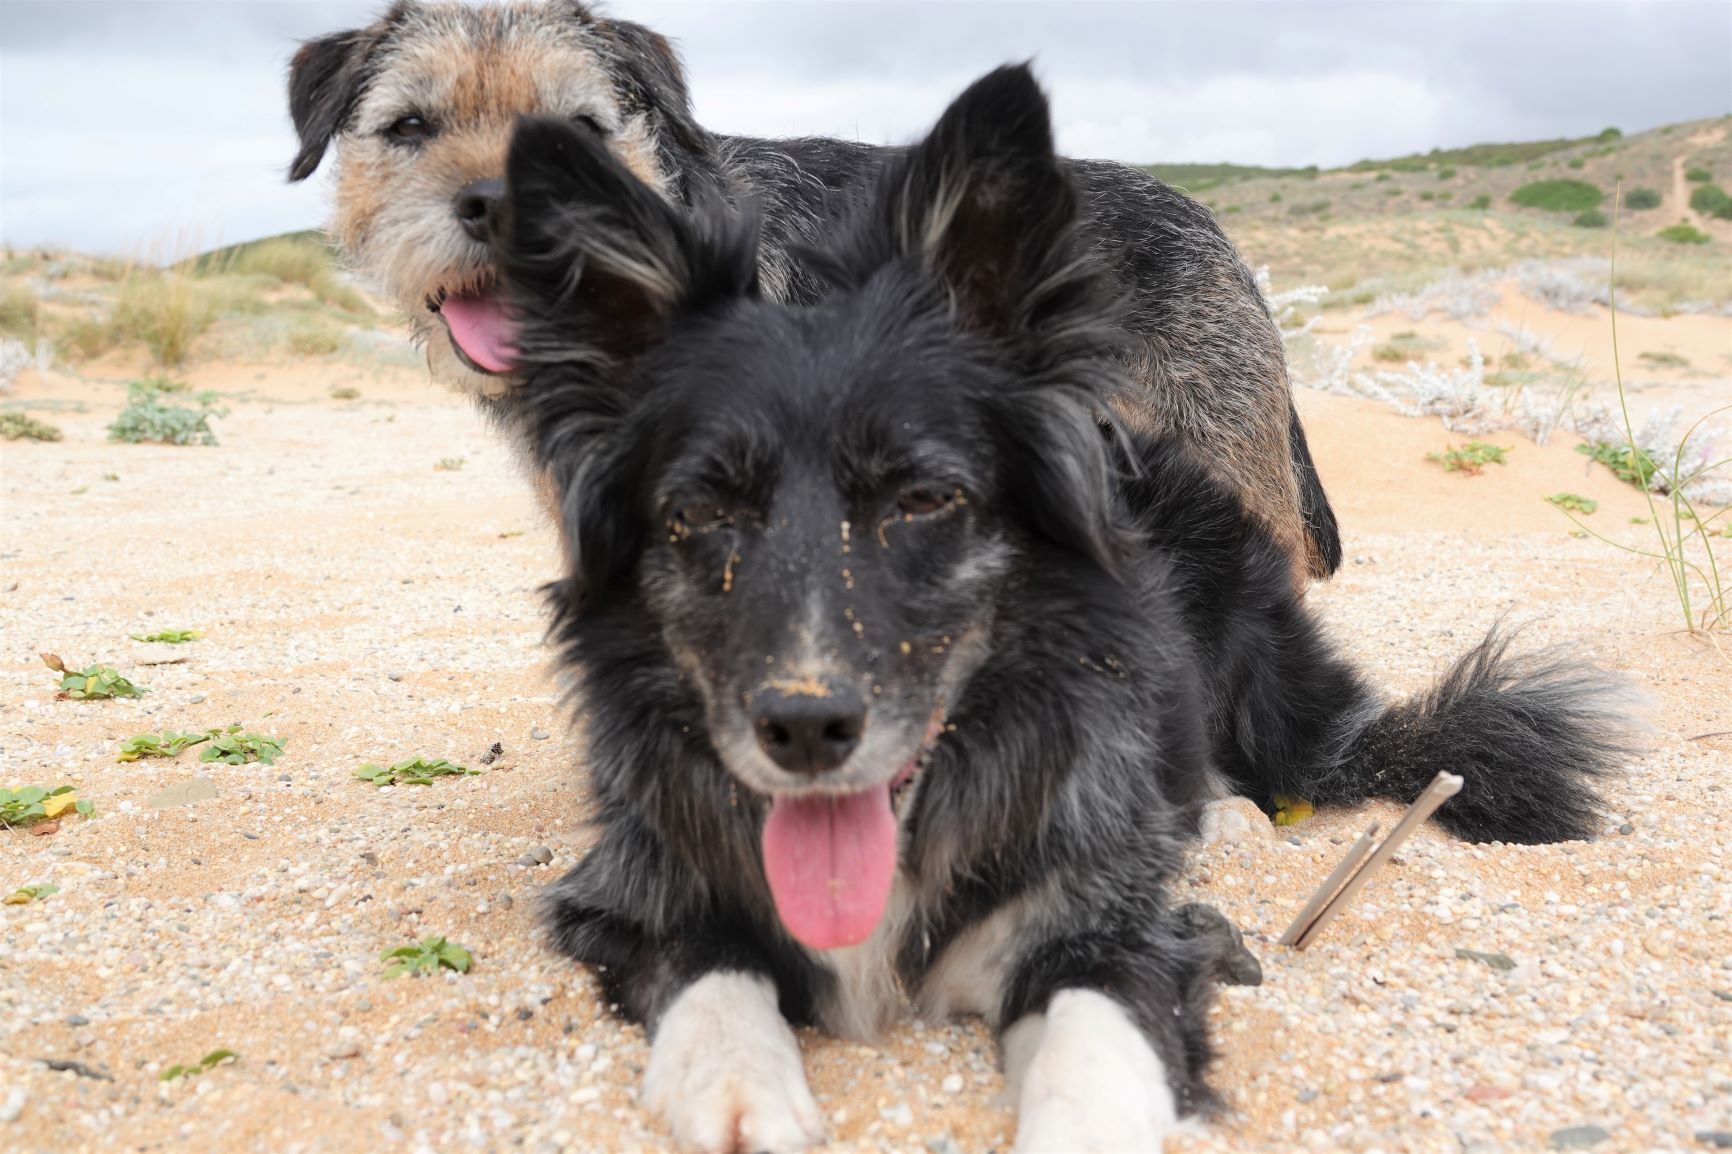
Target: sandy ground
363,606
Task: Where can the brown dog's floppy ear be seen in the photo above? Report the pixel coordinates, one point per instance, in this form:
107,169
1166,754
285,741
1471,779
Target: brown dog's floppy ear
655,80
325,79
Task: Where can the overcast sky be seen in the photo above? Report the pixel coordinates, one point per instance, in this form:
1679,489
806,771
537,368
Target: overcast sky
125,124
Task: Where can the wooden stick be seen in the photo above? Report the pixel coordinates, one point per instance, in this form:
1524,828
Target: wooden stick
1355,854
1443,787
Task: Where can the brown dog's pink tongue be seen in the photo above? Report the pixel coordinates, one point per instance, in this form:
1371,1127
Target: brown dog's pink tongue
482,329
831,862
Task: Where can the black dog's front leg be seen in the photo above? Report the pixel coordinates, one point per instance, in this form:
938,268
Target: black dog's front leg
1106,1041
724,1071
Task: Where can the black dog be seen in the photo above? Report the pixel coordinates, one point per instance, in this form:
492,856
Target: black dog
905,671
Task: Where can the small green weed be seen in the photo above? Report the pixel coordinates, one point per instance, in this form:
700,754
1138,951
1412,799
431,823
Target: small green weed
168,743
448,465
94,682
1698,175
24,895
1446,174
1558,195
1574,502
1711,200
1682,233
1632,466
345,393
1480,202
147,418
427,956
16,426
1641,199
1471,458
33,803
1592,218
168,636
413,771
203,1066
234,747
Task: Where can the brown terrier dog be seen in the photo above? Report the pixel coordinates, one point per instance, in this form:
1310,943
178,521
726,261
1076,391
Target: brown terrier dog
421,106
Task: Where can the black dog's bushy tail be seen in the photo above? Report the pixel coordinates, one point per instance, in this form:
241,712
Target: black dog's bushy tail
1528,733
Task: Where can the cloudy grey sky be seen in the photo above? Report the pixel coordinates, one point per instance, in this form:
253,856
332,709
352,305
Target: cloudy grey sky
126,124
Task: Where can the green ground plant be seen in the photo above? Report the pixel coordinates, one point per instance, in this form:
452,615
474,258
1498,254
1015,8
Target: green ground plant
24,895
1664,360
1558,196
1592,218
1481,202
234,746
168,743
168,636
1641,199
33,803
92,683
1711,200
147,417
16,426
19,311
1470,459
427,956
1682,233
413,771
203,1066
1574,502
1698,175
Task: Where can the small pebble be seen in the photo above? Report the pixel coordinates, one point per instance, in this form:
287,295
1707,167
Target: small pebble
1578,1137
1626,828
952,1084
77,1020
13,1107
539,734
541,854
347,1048
394,676
1658,947
1719,1139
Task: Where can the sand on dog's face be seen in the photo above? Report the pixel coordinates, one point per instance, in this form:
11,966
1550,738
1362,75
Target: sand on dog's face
469,74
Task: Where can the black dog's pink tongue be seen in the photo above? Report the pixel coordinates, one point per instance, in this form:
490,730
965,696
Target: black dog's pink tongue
482,329
831,862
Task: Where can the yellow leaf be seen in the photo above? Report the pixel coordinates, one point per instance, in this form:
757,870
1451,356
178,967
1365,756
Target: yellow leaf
55,806
19,898
1291,810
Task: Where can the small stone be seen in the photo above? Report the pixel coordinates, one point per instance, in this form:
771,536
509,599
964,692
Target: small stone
347,1048
1234,819
77,1020
195,699
1578,1137
188,792
370,857
900,1115
1719,1139
393,676
1483,1092
1657,946
1307,1096
1495,961
1723,995
504,901
527,861
539,734
524,1013
493,754
363,1006
952,1084
541,854
1626,829
13,1107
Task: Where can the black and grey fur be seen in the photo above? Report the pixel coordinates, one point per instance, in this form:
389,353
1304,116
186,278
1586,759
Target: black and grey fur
1202,357
913,492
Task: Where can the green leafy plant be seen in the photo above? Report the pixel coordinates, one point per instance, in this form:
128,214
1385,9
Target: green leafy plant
1698,175
16,426
32,803
1682,233
168,636
448,464
1711,200
24,895
1592,218
1446,174
425,957
1558,195
1641,199
1664,360
1471,458
1631,465
1574,502
413,771
92,683
147,417
168,743
1482,202
345,393
233,747
203,1066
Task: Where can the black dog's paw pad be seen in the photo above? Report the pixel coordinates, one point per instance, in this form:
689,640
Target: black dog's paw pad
1233,964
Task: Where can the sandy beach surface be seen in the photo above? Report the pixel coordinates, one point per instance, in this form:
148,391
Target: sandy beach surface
363,605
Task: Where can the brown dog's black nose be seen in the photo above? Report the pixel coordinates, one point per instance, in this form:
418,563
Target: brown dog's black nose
808,728
476,203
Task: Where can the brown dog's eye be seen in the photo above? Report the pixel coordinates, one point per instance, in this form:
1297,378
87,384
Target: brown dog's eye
410,129
590,123
701,517
925,500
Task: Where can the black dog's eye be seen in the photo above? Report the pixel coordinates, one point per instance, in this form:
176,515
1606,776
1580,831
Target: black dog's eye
410,129
926,500
700,517
590,123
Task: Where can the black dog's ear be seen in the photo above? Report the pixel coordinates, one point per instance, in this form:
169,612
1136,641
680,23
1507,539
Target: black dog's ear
594,261
325,79
982,202
650,72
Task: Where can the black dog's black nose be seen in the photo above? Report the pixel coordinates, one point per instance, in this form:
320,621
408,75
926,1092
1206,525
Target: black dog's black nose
476,203
808,727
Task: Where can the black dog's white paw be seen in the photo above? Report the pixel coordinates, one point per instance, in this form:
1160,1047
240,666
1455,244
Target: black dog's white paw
725,1073
1086,1080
